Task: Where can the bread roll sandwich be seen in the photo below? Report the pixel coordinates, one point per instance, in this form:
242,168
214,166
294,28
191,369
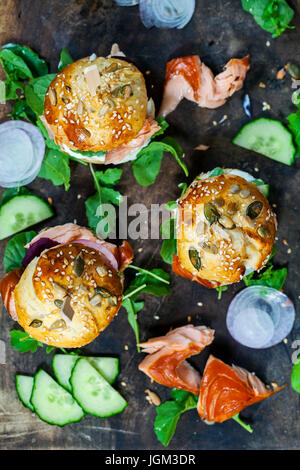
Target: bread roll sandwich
97,110
225,228
70,286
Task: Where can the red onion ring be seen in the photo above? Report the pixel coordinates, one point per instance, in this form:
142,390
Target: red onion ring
105,252
166,13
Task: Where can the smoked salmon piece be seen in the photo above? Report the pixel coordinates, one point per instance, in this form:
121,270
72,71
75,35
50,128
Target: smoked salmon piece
130,150
188,77
7,287
166,362
225,391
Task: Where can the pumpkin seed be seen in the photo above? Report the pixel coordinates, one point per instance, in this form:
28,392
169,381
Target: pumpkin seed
220,202
126,91
103,292
104,110
96,300
67,311
263,232
195,258
254,209
36,323
293,70
234,188
68,88
111,68
52,96
58,303
79,265
113,301
65,100
226,222
58,325
245,193
211,213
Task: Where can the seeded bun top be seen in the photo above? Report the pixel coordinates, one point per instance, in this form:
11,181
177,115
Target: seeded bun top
67,296
225,225
96,105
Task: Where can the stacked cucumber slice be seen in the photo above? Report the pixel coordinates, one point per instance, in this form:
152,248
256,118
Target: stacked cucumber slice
83,387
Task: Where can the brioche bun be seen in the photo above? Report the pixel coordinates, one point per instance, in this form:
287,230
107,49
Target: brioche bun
96,113
226,228
70,273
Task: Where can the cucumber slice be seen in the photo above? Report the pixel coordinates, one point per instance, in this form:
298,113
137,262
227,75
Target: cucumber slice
24,385
52,403
21,212
268,137
63,364
93,392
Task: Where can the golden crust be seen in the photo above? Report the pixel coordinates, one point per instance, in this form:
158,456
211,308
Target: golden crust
52,277
224,253
111,117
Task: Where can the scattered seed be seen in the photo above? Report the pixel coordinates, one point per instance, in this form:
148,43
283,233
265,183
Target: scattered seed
36,323
226,222
58,303
254,209
195,258
245,193
234,188
211,213
293,70
101,270
152,397
263,232
79,266
96,300
58,325
52,96
103,292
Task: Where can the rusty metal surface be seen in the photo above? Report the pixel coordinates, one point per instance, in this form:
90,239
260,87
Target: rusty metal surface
218,31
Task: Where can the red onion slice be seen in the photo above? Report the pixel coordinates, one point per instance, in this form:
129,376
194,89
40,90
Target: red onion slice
37,248
166,13
105,252
23,151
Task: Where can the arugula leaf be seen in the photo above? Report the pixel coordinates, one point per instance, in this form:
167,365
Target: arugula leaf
21,110
294,126
21,341
49,142
55,167
155,282
169,412
15,250
241,423
104,180
37,65
88,153
11,89
65,59
148,162
169,244
14,66
270,277
35,92
273,16
216,171
295,377
163,126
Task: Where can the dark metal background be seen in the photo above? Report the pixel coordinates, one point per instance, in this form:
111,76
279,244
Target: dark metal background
218,31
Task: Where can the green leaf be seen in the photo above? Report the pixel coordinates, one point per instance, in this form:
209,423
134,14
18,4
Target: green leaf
147,164
15,250
169,244
37,65
88,153
270,277
109,177
163,124
35,92
55,167
153,285
295,377
132,309
21,110
49,142
21,341
294,126
65,59
241,423
216,171
12,192
14,66
91,206
169,412
273,16
49,349
11,88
